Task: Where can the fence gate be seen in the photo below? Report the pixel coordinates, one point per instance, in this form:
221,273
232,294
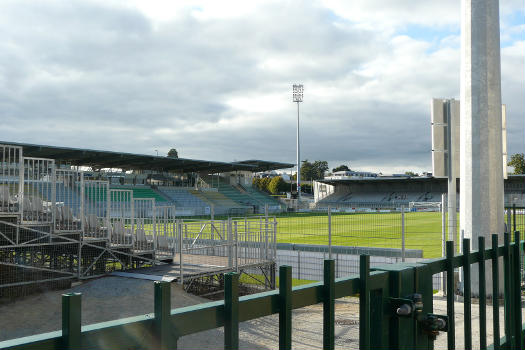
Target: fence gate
145,229
166,231
121,216
69,200
96,213
205,243
38,199
255,239
11,178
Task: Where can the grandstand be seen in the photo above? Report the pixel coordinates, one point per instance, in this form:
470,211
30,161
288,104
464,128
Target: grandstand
397,191
62,217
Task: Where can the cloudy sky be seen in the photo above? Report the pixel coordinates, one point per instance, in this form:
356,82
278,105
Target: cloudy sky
213,78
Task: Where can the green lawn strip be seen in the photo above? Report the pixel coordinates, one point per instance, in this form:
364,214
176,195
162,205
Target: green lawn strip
259,280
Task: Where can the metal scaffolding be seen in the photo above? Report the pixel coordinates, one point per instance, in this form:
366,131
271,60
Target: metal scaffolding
57,226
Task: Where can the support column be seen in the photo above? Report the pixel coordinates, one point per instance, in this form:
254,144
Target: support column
481,195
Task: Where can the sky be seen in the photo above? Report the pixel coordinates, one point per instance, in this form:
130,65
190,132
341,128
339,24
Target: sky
213,79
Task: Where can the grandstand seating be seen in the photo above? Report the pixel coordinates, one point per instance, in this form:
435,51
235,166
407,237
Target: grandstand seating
379,198
243,198
187,201
262,197
183,199
221,203
143,192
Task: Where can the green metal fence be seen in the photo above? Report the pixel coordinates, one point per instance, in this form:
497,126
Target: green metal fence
396,307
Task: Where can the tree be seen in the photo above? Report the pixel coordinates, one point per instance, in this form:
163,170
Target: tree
341,167
518,162
173,153
307,170
313,171
262,183
320,166
277,185
411,173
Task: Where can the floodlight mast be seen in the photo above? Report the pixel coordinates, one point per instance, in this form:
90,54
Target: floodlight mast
298,90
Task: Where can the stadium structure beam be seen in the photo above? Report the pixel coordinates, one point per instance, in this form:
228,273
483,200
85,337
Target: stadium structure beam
481,195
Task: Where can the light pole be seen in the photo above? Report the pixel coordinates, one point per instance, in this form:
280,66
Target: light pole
298,97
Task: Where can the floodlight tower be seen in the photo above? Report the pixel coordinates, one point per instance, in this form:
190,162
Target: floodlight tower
298,97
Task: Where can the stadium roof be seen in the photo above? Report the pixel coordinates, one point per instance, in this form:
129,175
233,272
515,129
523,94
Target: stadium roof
131,161
263,165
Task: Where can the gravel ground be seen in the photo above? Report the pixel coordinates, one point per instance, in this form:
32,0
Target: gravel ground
103,299
307,330
440,307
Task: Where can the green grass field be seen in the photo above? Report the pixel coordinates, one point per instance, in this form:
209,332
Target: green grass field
422,230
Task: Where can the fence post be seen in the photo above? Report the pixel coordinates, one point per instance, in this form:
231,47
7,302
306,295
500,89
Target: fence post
181,247
266,240
403,253
516,289
231,311
467,295
482,295
298,264
71,320
461,238
175,233
509,219
285,307
443,238
514,217
495,292
236,247
165,335
154,214
274,238
230,241
364,302
508,300
451,342
329,233
329,305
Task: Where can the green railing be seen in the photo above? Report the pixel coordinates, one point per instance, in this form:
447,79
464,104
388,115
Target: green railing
396,305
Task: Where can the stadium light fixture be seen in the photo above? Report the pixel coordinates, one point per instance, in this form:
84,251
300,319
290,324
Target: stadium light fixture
298,90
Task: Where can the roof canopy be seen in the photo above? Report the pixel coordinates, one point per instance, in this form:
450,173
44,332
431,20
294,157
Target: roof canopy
263,165
131,161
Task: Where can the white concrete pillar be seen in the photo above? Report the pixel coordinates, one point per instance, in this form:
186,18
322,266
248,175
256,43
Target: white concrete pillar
481,194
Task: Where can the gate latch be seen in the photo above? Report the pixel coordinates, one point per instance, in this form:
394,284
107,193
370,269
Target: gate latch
433,324
410,306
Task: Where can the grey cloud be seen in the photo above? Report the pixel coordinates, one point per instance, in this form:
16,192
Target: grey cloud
89,75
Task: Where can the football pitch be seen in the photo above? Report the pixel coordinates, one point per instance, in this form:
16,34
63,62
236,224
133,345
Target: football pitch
382,230
375,229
